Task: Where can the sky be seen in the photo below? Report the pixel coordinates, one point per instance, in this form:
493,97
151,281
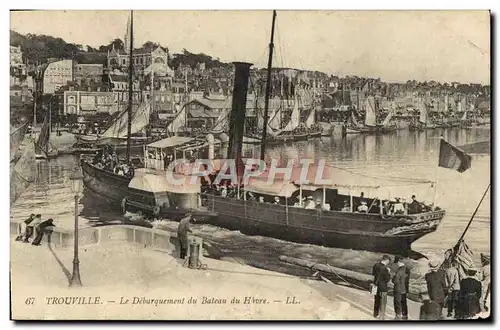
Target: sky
394,46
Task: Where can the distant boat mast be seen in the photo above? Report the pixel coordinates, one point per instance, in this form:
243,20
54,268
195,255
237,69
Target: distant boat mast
268,90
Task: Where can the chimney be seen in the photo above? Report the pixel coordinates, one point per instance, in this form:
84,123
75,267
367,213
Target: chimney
237,115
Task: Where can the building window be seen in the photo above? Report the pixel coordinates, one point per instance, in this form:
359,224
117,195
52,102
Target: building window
124,61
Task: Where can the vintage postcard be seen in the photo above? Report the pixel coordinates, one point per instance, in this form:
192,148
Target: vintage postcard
250,165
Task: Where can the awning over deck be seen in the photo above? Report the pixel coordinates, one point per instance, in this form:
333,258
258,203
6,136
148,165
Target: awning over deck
170,142
159,182
276,188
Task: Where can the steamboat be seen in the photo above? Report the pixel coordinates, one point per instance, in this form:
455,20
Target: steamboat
339,225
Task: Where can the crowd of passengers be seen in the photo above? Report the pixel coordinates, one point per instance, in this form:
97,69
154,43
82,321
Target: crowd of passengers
341,203
108,160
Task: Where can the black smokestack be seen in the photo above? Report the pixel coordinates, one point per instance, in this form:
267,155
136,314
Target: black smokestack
237,116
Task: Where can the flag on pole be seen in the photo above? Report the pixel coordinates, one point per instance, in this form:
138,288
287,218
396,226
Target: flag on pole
453,158
463,256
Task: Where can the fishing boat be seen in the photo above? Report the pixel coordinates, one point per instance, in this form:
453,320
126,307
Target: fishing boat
371,125
314,129
43,148
423,122
147,188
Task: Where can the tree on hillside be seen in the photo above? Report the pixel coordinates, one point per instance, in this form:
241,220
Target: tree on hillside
118,43
150,46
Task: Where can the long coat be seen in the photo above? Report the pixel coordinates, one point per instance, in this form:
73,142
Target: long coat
436,286
470,292
400,280
182,230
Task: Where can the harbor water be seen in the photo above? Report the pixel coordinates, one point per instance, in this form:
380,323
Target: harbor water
402,154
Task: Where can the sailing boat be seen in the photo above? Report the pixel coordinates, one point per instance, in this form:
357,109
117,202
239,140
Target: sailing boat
371,125
16,138
43,148
22,160
315,130
144,188
423,121
108,184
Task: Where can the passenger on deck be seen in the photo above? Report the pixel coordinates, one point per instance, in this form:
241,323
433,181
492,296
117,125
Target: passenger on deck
310,204
223,191
398,207
426,208
326,207
387,208
119,170
277,200
261,199
97,158
414,207
362,197
363,208
114,158
346,207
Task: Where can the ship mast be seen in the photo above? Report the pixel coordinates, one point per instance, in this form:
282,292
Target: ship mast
268,90
130,68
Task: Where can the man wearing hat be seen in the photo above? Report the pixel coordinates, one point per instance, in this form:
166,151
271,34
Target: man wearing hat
45,227
381,276
182,234
398,207
401,283
23,225
414,207
430,310
346,207
453,285
436,284
310,204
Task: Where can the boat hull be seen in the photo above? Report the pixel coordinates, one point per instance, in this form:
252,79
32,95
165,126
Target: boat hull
110,186
348,230
371,130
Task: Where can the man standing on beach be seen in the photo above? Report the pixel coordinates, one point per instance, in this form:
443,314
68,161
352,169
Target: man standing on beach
400,281
182,235
453,285
382,276
436,284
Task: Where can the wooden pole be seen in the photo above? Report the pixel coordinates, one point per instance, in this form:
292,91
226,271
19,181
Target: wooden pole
474,214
